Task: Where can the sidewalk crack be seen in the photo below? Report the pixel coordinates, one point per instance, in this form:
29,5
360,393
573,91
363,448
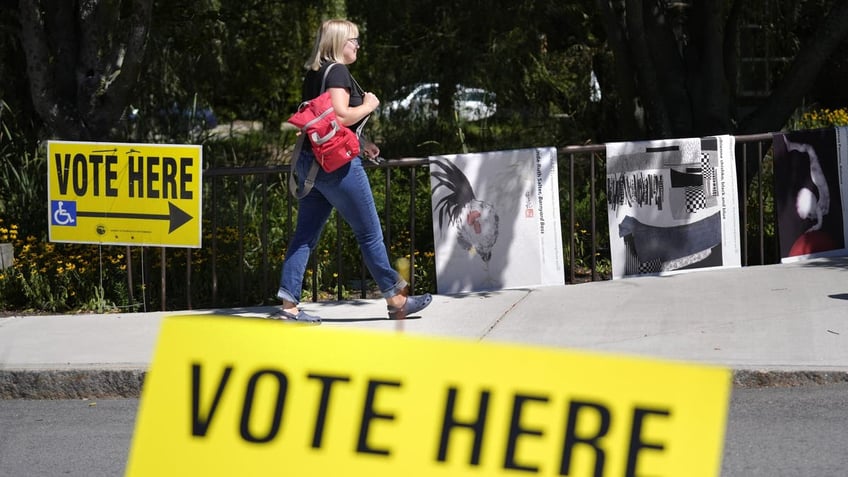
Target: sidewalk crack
503,315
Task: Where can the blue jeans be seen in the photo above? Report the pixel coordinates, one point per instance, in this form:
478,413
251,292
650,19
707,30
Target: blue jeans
347,190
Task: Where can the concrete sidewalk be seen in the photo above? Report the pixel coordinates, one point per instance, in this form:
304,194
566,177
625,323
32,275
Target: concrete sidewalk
773,325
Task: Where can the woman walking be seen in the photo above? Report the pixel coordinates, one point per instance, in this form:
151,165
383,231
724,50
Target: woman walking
346,189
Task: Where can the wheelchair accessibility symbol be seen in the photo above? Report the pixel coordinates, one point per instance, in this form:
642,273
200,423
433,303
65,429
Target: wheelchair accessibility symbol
63,212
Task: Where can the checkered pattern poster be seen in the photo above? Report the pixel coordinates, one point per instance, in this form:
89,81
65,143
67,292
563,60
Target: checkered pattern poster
672,206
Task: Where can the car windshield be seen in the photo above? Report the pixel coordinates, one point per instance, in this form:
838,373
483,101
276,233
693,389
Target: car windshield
403,91
417,91
472,95
428,91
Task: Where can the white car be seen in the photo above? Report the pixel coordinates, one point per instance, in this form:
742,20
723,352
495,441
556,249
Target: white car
422,101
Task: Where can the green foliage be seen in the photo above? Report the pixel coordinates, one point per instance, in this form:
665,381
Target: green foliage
536,59
243,59
760,214
22,173
61,277
400,212
582,199
820,118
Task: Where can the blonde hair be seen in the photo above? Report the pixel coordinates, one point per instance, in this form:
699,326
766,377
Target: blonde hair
330,42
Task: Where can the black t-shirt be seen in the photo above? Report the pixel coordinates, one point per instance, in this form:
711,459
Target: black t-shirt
338,77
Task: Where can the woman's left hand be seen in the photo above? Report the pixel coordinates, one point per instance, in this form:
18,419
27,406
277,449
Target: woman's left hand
370,150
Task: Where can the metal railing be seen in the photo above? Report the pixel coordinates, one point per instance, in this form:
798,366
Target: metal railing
581,168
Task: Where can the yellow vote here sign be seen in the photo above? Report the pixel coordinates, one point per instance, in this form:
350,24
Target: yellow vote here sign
124,194
241,396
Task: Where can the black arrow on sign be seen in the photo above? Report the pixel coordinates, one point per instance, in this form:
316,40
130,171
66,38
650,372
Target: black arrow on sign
176,216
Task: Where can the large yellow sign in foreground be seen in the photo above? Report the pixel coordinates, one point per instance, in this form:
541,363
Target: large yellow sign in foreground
124,194
239,396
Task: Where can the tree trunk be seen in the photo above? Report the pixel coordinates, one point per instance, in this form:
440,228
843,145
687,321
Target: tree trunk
83,59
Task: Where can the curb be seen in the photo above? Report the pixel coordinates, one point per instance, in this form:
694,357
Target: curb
786,379
115,384
71,384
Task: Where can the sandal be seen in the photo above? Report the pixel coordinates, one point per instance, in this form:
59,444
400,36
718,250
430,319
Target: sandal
413,304
301,317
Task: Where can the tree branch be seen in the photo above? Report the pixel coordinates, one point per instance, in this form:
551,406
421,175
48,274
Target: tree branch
731,57
39,72
774,113
624,72
666,55
713,110
110,68
649,85
60,32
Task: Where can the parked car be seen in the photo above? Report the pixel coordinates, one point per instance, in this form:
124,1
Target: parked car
422,101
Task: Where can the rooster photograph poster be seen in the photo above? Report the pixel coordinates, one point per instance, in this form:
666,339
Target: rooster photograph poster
496,220
809,169
672,206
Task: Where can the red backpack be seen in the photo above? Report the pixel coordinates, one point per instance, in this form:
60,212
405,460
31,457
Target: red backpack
333,144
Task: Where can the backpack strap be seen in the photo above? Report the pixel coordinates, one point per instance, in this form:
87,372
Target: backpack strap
313,170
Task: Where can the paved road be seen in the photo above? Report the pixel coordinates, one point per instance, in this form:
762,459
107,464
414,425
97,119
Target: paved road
772,432
791,432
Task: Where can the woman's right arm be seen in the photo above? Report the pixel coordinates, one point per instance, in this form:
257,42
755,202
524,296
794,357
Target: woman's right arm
347,114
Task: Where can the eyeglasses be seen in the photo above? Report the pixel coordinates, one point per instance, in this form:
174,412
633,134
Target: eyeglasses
355,41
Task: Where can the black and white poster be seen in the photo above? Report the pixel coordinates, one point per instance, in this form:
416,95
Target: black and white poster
496,220
672,206
809,178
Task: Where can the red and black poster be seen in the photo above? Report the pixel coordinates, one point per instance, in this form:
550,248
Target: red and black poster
809,178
